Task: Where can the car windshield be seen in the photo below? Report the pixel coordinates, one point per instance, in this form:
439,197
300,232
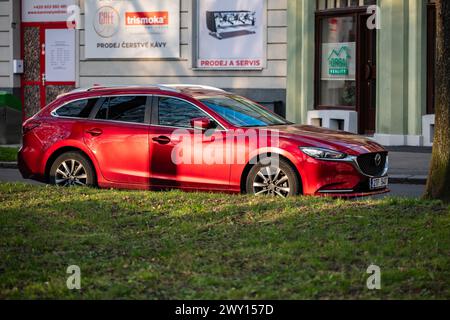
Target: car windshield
242,112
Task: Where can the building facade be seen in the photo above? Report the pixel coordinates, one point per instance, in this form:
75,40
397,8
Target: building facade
390,94
364,66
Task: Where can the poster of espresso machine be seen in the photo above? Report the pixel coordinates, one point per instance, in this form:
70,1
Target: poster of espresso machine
226,24
232,34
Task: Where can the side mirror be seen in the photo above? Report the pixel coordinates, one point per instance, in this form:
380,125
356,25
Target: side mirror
201,124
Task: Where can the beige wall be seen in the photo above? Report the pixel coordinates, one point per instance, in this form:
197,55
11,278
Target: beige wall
174,71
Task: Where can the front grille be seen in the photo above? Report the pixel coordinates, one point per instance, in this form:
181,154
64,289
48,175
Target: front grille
368,165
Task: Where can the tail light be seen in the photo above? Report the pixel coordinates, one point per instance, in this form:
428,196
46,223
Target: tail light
30,125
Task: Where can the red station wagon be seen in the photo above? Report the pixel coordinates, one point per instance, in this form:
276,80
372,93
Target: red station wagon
193,138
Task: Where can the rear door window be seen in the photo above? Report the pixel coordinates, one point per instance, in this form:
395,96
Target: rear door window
77,109
124,109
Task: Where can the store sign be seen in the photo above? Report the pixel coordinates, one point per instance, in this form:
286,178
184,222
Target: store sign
132,29
338,61
231,34
60,55
46,10
160,18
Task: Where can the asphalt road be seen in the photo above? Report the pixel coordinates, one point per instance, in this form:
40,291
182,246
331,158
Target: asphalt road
403,190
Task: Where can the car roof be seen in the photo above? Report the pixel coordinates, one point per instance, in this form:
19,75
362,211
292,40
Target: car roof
191,90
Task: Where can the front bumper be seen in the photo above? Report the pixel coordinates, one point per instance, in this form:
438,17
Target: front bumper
353,194
338,178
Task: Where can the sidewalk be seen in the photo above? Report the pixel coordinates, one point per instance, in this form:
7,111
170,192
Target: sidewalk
407,165
10,145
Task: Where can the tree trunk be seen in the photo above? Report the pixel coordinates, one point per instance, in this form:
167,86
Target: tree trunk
438,185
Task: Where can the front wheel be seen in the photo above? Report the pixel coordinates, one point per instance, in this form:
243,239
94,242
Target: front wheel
72,169
275,179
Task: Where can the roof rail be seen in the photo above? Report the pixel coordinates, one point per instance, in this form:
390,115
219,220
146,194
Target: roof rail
199,86
151,86
72,91
166,87
100,87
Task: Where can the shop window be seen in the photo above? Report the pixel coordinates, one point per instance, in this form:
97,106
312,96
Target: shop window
337,57
336,4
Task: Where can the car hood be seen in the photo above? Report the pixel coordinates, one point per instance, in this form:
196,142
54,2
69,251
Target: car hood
325,138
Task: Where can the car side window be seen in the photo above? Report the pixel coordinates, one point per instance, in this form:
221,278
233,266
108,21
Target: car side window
123,108
77,109
174,112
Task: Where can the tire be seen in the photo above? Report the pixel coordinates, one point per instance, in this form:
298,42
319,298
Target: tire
284,183
66,171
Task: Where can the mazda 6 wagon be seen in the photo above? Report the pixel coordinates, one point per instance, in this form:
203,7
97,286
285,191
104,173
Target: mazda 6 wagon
193,138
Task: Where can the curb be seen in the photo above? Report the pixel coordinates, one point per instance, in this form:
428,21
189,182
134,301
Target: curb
9,165
407,179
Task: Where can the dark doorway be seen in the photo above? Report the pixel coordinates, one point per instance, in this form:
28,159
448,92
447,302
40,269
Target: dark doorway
345,69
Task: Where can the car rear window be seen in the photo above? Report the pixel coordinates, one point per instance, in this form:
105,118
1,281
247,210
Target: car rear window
77,109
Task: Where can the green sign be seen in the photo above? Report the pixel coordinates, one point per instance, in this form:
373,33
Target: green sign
339,61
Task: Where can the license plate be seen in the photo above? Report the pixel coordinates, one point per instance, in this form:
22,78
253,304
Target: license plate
379,183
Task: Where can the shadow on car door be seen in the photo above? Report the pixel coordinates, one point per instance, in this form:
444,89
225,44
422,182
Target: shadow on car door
117,135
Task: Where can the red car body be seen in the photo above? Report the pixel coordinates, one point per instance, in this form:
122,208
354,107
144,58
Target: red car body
127,155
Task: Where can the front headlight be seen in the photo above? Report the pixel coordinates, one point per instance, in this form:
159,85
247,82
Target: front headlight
319,153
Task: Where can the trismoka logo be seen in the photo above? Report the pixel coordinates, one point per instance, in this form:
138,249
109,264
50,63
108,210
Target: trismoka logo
156,18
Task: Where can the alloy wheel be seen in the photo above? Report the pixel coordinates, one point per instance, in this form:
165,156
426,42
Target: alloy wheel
271,181
71,173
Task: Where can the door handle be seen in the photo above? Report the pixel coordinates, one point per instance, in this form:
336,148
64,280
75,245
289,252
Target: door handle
162,140
94,132
368,72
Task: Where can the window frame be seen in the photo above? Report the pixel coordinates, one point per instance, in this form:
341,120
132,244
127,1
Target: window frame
148,104
334,4
155,113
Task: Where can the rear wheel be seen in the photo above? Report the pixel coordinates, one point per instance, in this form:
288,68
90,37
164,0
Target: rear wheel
277,178
72,169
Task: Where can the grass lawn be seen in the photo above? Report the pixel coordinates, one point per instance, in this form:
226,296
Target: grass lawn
8,154
174,245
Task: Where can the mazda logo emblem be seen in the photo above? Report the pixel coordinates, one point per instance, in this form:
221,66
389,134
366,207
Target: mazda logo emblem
377,159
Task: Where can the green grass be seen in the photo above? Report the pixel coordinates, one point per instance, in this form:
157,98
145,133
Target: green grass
8,154
174,245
